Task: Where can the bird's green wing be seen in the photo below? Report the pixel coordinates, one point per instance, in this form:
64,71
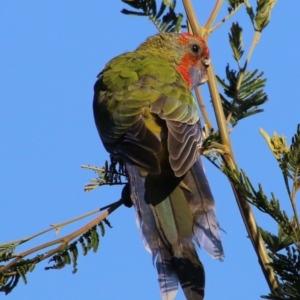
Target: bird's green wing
139,98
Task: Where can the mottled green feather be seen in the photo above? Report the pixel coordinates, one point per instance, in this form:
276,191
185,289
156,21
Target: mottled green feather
136,85
137,80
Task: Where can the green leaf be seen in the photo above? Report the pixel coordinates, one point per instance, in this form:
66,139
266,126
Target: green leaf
293,160
263,13
113,173
287,268
260,200
276,243
288,157
134,3
132,13
235,40
164,21
161,10
234,3
242,102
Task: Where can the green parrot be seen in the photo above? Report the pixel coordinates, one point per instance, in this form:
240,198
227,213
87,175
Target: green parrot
147,117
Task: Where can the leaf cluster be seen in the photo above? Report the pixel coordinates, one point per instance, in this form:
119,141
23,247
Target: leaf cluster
288,158
88,240
234,4
165,18
243,90
289,163
287,267
66,255
242,101
10,279
284,246
258,198
261,19
236,41
112,173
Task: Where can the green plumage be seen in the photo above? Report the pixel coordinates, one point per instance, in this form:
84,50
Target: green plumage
137,87
136,80
146,115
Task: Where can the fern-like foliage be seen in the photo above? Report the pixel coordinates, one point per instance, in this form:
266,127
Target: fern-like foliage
258,198
165,19
261,18
67,255
112,173
10,278
290,163
244,101
210,140
288,158
287,267
15,267
283,247
243,90
89,240
236,42
234,4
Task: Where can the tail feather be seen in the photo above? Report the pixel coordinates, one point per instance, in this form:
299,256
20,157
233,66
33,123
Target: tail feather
171,229
144,216
190,272
207,231
202,205
167,277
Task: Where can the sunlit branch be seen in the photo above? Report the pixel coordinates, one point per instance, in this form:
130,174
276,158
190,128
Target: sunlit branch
225,19
203,108
228,158
213,16
63,241
191,16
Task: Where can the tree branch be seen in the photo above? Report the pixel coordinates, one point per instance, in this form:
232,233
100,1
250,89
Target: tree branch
192,19
228,155
225,19
213,16
63,241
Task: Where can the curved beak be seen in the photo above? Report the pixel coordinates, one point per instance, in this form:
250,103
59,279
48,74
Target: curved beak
206,62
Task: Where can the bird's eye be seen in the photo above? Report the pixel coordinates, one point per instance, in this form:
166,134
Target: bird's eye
195,48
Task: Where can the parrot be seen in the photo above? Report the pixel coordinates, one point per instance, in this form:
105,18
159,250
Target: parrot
147,118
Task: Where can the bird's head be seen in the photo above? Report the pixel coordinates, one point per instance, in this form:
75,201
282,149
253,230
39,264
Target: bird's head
189,54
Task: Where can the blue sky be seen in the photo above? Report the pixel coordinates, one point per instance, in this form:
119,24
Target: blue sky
51,52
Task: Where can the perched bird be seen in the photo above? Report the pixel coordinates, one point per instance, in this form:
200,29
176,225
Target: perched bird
147,117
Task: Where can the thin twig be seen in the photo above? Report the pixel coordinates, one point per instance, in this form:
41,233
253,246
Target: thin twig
55,226
254,42
226,18
203,108
213,16
63,241
192,19
218,108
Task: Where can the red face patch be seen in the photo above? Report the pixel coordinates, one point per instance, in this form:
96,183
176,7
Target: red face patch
184,38
186,63
190,60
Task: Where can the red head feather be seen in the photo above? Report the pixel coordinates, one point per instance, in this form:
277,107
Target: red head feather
190,61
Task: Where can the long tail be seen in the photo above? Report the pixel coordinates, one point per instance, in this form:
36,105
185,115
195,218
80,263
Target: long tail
173,228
